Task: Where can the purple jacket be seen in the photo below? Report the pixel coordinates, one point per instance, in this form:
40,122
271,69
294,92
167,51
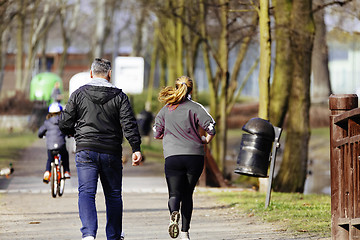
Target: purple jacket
55,139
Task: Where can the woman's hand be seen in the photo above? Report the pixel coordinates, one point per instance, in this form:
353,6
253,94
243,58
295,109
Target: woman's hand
159,137
207,139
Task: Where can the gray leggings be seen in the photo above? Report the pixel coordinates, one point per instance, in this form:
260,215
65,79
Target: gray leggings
182,173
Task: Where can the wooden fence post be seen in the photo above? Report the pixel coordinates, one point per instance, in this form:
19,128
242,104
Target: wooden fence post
340,200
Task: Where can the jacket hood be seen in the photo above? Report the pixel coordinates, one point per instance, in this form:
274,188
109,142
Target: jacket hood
54,120
100,94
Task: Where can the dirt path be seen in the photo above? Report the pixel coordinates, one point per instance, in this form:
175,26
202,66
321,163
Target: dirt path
27,211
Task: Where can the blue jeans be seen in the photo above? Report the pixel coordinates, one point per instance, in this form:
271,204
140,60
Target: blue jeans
89,166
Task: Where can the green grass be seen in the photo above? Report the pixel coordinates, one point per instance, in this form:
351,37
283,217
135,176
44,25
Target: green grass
12,144
323,132
294,212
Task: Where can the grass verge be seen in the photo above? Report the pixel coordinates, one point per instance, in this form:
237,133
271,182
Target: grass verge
12,144
295,212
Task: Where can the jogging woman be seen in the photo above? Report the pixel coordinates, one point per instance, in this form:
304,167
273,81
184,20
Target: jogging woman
177,123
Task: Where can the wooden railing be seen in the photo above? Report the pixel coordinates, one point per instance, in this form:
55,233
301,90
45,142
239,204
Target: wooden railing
345,166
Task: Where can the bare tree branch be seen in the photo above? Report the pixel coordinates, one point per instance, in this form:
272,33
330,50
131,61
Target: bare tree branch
340,3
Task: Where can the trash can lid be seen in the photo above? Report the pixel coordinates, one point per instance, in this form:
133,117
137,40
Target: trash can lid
259,126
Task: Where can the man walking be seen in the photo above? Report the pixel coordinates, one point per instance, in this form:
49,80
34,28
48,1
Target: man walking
98,115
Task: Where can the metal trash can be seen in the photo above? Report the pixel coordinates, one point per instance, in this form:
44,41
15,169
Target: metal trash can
255,148
144,120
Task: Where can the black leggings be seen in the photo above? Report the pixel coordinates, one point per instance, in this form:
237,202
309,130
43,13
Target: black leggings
182,173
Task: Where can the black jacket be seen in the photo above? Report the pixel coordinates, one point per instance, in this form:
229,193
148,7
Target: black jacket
98,116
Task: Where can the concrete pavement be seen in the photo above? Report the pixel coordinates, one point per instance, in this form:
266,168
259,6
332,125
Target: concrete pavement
27,210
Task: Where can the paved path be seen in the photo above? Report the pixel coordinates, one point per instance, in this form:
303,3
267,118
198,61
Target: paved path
27,211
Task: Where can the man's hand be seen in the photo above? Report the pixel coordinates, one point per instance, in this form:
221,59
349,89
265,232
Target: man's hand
136,158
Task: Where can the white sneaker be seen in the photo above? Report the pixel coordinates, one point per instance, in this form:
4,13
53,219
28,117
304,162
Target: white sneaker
67,174
88,238
46,177
184,236
174,224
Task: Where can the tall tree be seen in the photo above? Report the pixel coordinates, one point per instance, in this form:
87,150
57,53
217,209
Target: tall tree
141,15
7,14
265,59
179,11
99,37
224,75
105,10
321,87
20,28
290,90
69,19
153,63
191,41
265,68
282,78
217,37
42,16
234,89
292,174
34,18
168,38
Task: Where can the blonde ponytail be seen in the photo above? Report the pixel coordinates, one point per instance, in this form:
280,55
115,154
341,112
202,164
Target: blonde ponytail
172,96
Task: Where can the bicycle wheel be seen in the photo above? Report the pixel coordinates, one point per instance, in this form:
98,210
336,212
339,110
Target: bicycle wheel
53,181
62,181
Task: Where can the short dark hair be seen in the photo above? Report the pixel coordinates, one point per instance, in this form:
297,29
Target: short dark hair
100,66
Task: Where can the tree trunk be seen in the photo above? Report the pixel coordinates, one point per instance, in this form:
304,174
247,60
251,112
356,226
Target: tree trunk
223,54
264,74
5,39
6,17
63,57
154,57
67,30
179,38
100,29
265,59
192,44
168,39
292,173
192,48
138,39
43,66
163,66
19,66
212,89
282,79
243,83
321,87
238,62
39,29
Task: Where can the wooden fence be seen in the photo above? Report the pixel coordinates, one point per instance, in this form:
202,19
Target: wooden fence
345,166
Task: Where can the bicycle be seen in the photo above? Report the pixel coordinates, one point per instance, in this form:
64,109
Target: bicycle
57,179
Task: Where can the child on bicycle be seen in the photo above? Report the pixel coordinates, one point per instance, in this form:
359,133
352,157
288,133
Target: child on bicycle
55,140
